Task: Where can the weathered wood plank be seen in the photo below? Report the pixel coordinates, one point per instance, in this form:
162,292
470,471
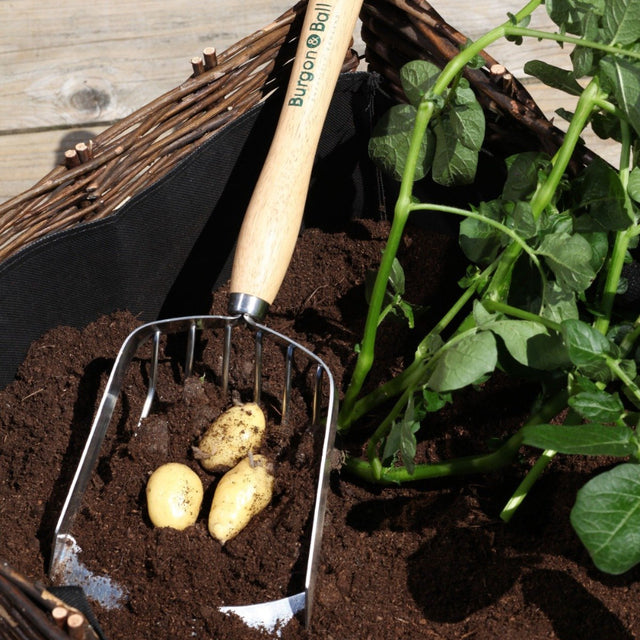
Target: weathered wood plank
95,62
84,65
27,157
79,65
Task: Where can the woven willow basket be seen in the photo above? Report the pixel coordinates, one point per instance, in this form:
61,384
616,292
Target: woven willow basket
125,159
133,155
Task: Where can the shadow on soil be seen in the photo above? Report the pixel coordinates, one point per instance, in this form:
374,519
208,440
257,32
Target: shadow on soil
468,563
571,609
461,571
458,572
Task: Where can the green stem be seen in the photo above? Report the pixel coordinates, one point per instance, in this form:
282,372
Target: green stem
482,463
366,355
524,32
614,272
622,240
629,341
414,372
488,221
544,194
419,378
390,389
459,466
478,283
584,109
411,378
621,374
383,429
507,309
455,66
525,486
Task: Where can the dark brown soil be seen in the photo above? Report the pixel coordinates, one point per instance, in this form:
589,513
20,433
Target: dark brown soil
428,561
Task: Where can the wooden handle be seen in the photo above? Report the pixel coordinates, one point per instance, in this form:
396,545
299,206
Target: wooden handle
272,221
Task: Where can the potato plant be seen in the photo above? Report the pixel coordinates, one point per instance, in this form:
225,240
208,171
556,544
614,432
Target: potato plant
559,244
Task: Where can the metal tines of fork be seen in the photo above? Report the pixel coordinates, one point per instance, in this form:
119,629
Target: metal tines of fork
65,566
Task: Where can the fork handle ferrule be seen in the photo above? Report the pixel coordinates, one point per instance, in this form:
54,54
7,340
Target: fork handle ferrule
244,304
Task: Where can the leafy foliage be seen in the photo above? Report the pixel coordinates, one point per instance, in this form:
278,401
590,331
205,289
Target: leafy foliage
451,145
545,267
606,516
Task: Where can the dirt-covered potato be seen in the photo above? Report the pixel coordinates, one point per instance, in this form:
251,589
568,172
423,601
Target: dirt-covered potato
231,437
174,496
242,492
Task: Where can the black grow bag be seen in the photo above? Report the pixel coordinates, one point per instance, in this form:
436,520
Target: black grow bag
162,253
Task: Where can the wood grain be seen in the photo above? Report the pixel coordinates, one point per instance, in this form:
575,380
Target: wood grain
69,70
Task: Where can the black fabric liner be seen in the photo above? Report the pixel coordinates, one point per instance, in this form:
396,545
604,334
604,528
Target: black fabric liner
161,254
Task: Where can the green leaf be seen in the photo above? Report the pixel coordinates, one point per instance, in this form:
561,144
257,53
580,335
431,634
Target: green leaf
474,356
417,77
392,302
528,342
569,257
553,76
396,277
606,517
586,439
459,132
597,405
480,241
599,243
621,21
633,186
429,346
482,317
570,15
402,438
586,345
520,218
601,194
624,78
581,384
522,175
558,304
606,125
629,367
453,163
407,311
584,58
433,401
565,114
546,352
552,221
467,117
391,139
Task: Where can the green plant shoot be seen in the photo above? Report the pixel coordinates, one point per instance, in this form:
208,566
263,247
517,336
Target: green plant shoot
560,244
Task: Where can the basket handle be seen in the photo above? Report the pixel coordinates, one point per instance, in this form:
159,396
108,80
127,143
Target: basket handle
272,221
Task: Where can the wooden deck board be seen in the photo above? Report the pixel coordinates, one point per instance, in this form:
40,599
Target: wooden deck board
76,67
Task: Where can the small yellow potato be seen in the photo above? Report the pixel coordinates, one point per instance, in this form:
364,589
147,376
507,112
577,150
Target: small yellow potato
242,492
174,495
231,437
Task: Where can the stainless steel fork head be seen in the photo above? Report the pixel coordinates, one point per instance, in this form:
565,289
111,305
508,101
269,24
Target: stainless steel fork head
66,567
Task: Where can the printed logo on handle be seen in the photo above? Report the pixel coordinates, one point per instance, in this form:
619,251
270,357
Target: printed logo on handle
314,40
